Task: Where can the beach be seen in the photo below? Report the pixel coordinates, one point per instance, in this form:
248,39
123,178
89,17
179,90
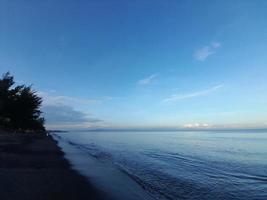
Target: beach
133,165
32,167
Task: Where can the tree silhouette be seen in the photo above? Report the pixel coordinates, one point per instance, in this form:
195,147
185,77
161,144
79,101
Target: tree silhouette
19,106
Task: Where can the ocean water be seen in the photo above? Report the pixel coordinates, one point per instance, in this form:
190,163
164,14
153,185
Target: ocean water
206,165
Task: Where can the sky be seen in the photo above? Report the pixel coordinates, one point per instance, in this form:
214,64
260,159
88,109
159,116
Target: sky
140,63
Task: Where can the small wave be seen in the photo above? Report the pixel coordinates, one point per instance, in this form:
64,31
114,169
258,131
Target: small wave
91,149
249,177
150,189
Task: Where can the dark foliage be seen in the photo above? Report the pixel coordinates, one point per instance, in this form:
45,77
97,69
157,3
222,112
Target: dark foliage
19,106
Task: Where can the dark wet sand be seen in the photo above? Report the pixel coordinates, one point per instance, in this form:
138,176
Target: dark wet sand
32,167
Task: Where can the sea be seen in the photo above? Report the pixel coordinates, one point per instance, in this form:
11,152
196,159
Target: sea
171,165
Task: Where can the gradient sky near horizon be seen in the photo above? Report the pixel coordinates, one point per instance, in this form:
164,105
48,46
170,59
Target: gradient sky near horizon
140,63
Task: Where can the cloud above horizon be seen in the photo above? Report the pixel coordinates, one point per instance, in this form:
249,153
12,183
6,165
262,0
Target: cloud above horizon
60,113
49,98
197,125
206,51
148,80
66,116
177,97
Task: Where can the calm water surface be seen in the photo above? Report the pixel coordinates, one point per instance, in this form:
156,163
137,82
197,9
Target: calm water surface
183,165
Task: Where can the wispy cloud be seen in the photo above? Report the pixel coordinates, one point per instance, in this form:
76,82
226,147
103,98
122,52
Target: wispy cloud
177,97
206,51
50,98
147,80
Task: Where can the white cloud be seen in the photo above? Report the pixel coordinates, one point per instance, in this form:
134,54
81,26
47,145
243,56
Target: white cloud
216,45
52,99
197,125
203,53
147,80
177,97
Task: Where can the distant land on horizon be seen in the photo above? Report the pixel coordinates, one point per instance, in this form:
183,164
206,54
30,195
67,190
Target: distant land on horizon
159,130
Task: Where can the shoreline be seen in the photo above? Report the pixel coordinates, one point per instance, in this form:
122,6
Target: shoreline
111,179
32,166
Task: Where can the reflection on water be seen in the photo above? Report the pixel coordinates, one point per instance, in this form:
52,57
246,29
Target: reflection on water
184,165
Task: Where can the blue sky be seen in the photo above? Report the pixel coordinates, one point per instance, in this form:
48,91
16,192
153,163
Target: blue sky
140,64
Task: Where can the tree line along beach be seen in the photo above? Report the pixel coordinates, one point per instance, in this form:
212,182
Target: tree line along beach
32,166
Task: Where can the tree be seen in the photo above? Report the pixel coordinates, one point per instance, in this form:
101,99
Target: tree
19,106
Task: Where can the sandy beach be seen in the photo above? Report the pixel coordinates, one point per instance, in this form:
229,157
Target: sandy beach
33,167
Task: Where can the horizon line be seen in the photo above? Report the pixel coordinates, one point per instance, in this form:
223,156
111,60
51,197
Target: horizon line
156,129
